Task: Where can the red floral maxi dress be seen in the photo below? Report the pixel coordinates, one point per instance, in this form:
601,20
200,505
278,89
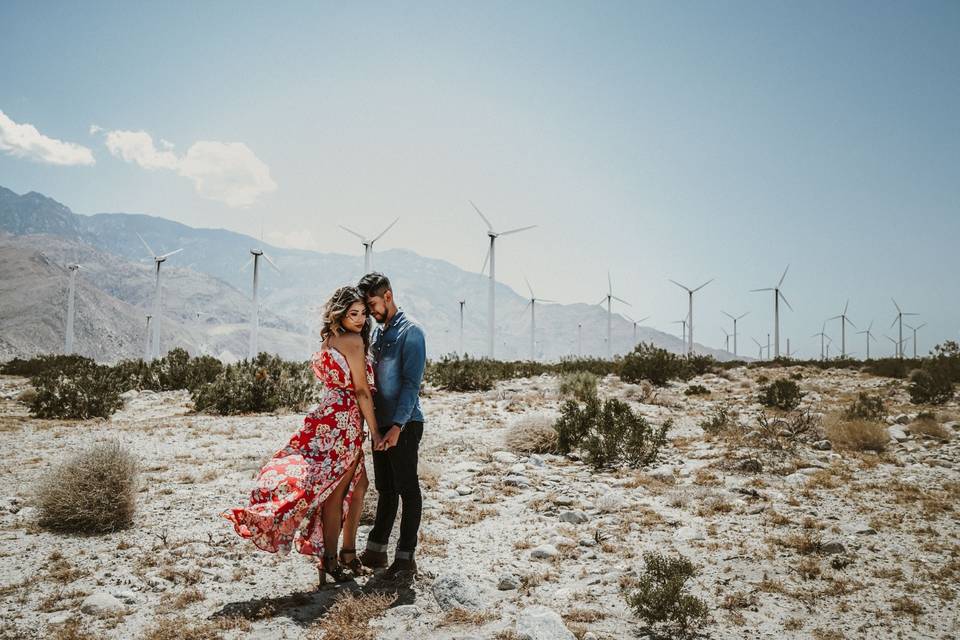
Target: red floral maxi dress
284,507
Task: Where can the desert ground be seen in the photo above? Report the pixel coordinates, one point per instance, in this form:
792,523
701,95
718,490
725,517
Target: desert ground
791,539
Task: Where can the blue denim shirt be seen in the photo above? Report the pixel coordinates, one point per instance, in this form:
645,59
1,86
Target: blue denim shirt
399,357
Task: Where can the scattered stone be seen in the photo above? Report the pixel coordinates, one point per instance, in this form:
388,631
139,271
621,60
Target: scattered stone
750,465
663,472
689,532
542,623
408,611
902,419
101,603
861,528
898,434
832,547
574,517
518,469
504,457
587,541
508,582
563,501
453,590
464,490
823,445
795,479
516,481
544,551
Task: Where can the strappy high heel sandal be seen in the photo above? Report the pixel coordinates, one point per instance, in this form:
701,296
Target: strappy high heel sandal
334,571
355,566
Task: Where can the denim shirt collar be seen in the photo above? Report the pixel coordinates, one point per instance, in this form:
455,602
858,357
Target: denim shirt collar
394,321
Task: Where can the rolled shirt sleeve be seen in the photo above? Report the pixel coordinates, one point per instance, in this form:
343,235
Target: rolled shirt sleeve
414,358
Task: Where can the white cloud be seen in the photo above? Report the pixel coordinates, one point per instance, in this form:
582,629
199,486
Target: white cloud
302,239
228,172
24,141
138,147
95,129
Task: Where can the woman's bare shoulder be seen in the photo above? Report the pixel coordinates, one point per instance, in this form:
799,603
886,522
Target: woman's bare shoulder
348,341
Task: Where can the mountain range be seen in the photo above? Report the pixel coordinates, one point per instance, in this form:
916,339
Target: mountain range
207,297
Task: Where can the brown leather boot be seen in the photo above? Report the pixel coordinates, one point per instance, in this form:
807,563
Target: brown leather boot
373,559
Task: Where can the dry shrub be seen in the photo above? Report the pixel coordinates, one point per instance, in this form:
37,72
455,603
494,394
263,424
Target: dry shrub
928,426
180,628
856,435
349,617
73,629
463,617
532,434
93,491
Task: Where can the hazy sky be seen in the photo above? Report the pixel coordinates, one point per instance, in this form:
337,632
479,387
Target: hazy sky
683,140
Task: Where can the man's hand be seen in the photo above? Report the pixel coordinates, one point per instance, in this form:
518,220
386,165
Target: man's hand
390,440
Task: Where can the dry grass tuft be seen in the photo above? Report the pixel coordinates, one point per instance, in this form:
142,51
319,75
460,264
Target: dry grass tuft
856,435
532,434
349,617
928,426
181,628
92,492
463,617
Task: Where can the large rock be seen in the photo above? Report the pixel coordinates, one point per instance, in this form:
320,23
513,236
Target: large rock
544,551
452,590
542,623
100,603
898,434
574,517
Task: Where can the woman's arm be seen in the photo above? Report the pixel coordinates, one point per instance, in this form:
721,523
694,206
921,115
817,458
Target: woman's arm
352,347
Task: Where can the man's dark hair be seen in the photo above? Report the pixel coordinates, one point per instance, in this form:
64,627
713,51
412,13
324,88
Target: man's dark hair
374,284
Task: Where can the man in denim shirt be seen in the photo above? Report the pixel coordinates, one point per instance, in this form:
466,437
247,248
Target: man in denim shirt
400,355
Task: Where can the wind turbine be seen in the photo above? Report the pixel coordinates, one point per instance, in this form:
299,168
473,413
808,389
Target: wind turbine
579,339
777,296
684,323
690,293
368,244
843,328
636,323
462,302
899,319
759,347
610,298
740,317
157,260
491,256
726,342
71,308
821,335
896,346
533,319
869,337
255,255
914,329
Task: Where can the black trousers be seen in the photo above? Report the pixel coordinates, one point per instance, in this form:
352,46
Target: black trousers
395,477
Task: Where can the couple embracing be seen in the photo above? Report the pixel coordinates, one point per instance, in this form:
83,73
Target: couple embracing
312,490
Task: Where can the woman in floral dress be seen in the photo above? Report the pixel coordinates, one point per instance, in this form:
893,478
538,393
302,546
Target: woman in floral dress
314,486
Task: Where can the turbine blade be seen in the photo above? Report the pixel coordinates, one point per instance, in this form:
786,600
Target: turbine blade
506,233
851,322
899,310
153,253
744,315
764,289
627,317
541,300
643,319
704,284
486,258
783,276
475,208
246,264
921,326
727,314
603,299
621,300
272,263
529,288
846,306
679,285
351,231
784,298
895,318
609,282
167,255
390,226
834,318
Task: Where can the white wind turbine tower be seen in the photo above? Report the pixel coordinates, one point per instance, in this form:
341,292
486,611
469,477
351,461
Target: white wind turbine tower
146,341
821,335
899,319
896,346
491,256
636,323
726,340
843,328
914,329
610,298
759,347
533,319
735,333
579,339
777,296
157,260
71,308
368,244
684,335
255,255
462,302
690,293
869,337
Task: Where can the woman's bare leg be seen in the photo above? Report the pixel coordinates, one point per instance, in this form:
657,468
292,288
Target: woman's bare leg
352,521
332,512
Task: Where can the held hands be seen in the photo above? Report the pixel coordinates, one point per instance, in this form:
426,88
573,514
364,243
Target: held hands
390,440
